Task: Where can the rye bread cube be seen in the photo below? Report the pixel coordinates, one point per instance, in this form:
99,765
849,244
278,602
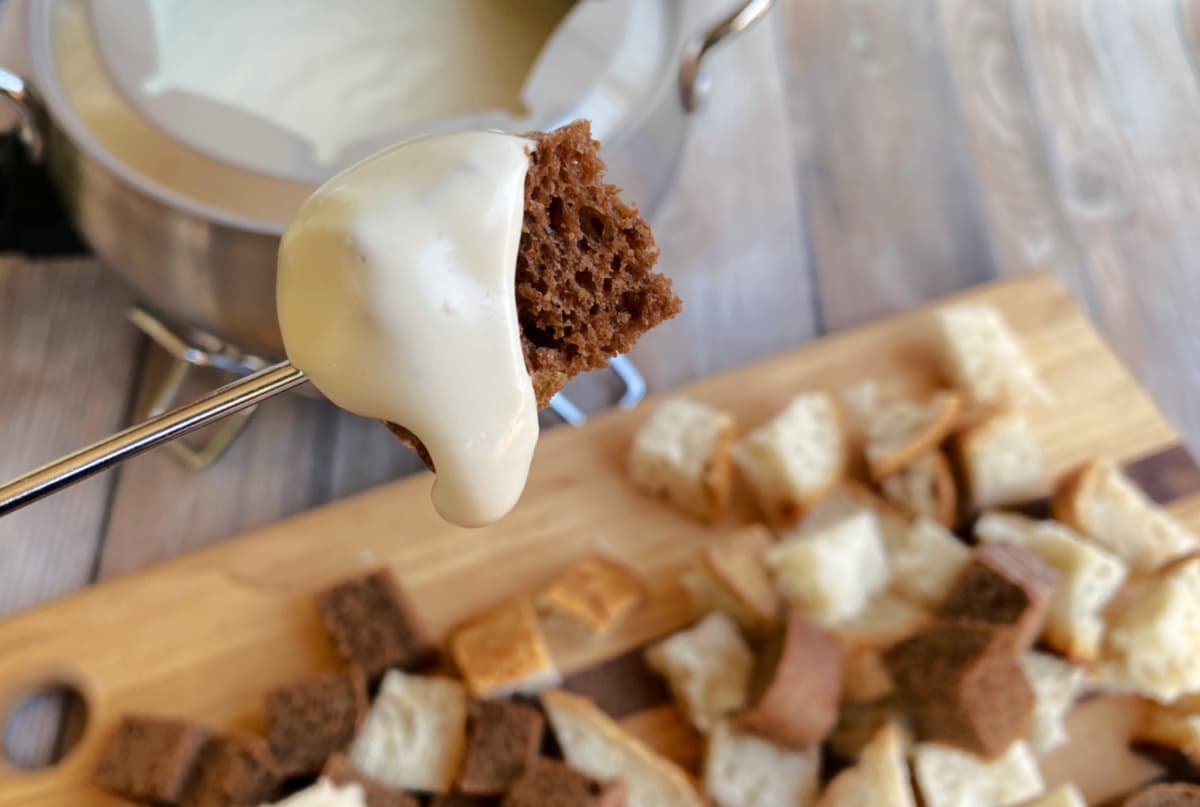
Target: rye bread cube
233,771
373,625
1005,586
150,759
502,737
795,687
962,686
310,720
551,783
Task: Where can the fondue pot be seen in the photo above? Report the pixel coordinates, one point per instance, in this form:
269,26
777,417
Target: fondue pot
196,237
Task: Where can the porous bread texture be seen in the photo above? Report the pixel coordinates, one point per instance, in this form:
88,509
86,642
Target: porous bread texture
744,770
948,777
586,287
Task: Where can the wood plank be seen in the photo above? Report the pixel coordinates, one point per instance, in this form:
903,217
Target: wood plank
890,196
1026,227
227,623
1119,104
68,356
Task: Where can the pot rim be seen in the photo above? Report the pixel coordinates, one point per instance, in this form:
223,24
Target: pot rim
48,85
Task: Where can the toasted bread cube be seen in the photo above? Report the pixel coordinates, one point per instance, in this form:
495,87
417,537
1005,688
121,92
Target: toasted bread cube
1056,685
925,488
592,594
707,667
832,573
1104,504
1153,642
793,460
951,778
730,577
904,430
682,454
1165,794
414,734
859,724
1065,796
1002,462
743,770
1091,578
880,777
545,782
593,743
502,652
1175,727
925,567
984,358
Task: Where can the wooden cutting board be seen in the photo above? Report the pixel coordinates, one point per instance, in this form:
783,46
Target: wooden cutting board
206,635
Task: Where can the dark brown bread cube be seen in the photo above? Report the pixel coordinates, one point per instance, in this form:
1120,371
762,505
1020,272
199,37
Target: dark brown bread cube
1007,586
312,719
373,625
1167,794
341,771
502,737
961,685
551,783
234,771
795,687
150,759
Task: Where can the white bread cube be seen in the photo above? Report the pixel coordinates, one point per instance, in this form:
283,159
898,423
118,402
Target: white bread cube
903,430
793,460
502,652
594,744
414,733
682,454
948,777
887,619
707,667
324,793
1153,641
849,498
1002,461
1176,726
730,576
924,488
743,770
984,358
1104,504
878,779
1056,685
1091,577
1066,796
927,563
832,573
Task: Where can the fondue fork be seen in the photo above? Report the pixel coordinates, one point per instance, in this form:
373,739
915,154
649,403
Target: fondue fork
231,398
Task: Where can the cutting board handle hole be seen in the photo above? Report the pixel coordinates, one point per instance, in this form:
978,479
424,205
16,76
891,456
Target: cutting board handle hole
42,724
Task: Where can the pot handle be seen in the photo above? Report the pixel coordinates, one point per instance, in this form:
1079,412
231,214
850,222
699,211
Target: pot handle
14,88
693,85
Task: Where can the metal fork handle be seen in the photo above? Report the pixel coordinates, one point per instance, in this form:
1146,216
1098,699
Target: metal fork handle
243,393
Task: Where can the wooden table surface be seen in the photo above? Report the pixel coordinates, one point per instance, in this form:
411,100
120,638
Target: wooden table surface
857,157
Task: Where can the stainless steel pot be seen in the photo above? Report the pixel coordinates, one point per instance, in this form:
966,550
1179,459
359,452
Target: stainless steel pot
204,267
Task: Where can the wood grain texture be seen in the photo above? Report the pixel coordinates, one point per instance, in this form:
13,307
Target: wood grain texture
68,355
226,624
1027,229
892,205
1119,107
